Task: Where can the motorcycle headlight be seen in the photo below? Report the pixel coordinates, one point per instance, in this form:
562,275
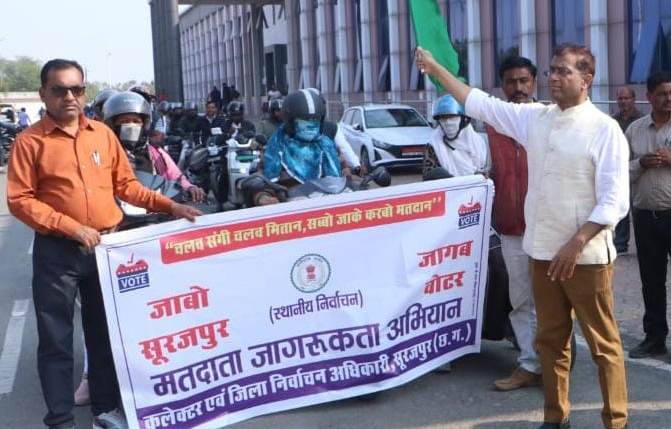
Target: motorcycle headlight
381,145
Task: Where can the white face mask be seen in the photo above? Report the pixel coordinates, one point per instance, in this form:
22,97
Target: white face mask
450,126
130,132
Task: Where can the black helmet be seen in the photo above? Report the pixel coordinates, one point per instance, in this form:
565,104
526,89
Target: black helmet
190,106
163,106
235,107
100,99
144,91
123,103
305,104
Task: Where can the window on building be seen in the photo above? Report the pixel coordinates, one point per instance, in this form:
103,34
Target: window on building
506,29
456,25
649,38
568,22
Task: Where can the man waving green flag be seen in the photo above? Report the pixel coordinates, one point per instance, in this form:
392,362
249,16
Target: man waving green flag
431,34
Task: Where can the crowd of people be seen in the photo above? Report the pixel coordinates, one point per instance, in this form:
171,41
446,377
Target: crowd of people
562,173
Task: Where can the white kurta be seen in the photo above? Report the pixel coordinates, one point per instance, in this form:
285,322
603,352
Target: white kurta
469,156
578,171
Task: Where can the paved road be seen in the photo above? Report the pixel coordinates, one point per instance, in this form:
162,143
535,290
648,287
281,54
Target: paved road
462,399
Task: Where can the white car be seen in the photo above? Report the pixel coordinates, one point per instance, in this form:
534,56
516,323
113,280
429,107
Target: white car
386,134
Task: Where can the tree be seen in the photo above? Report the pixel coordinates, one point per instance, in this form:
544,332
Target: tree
20,74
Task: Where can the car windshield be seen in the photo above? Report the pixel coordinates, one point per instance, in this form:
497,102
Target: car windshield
388,118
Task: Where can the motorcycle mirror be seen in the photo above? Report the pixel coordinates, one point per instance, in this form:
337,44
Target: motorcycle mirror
381,176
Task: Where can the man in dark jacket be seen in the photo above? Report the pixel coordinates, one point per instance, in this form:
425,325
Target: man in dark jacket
509,172
212,119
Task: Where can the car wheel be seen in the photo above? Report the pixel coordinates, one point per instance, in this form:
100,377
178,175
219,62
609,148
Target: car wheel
365,160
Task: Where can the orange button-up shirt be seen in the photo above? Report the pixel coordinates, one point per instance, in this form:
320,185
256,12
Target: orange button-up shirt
57,182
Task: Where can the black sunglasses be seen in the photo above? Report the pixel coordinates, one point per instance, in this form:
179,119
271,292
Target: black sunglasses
62,91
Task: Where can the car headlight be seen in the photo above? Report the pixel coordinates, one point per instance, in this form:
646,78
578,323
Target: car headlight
381,145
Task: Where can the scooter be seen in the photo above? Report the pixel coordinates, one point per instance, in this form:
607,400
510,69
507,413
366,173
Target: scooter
242,153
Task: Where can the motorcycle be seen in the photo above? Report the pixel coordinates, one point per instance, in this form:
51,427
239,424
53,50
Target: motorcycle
135,217
8,133
314,188
219,165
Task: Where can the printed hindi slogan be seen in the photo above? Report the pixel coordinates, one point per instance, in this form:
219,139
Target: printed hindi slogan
362,294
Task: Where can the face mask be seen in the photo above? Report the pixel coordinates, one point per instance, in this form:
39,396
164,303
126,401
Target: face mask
130,134
450,126
307,130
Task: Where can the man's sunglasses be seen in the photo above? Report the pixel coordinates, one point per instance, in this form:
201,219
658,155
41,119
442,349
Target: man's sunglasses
62,91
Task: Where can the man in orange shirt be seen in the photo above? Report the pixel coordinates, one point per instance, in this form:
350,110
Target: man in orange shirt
63,175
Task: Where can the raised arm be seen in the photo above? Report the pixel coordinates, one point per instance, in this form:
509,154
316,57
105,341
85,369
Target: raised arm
511,119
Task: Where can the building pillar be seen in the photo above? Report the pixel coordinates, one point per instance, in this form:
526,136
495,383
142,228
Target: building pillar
395,49
307,44
598,32
256,54
230,50
344,45
166,49
293,44
366,54
237,49
325,34
474,42
223,64
527,13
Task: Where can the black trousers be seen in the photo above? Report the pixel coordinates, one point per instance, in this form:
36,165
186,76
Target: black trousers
622,234
653,243
60,268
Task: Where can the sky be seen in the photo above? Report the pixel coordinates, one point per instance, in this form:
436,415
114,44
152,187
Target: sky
96,33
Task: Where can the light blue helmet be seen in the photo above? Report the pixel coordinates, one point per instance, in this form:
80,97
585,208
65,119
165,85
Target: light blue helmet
447,105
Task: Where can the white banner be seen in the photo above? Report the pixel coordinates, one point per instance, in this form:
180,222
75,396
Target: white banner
256,311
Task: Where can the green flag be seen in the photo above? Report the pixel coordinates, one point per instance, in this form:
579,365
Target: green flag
431,34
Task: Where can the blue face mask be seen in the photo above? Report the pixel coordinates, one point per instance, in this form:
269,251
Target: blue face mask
307,131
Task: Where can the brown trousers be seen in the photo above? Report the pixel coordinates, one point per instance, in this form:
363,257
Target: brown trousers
590,295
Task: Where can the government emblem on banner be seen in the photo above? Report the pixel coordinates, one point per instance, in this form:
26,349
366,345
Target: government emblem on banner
132,276
310,273
469,214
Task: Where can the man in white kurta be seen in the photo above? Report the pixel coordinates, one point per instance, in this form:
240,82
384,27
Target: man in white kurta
578,190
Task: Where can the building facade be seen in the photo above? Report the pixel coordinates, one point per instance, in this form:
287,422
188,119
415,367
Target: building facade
361,51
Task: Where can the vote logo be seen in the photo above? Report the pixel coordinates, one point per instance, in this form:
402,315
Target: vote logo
132,275
469,214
